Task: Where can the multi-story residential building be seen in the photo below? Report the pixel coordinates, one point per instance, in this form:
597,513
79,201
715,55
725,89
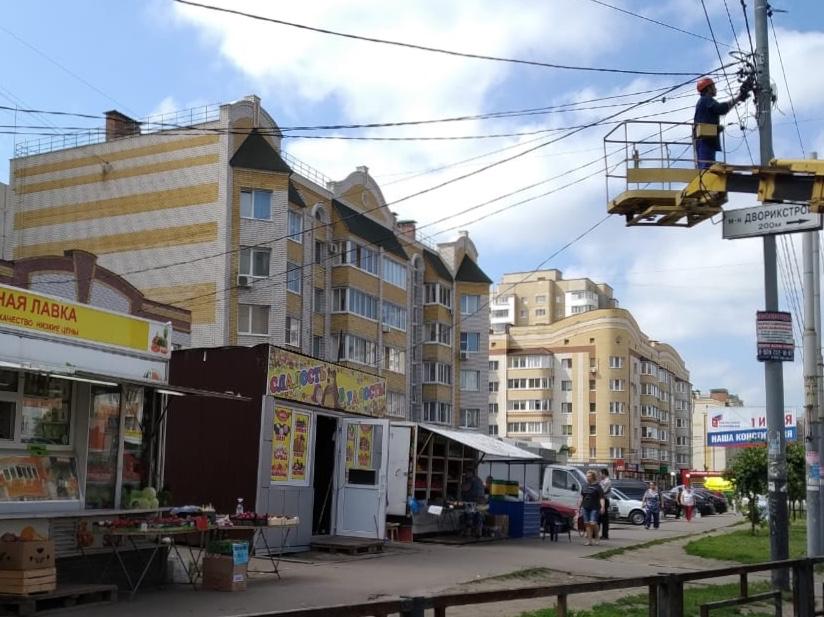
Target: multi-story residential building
214,216
704,457
592,384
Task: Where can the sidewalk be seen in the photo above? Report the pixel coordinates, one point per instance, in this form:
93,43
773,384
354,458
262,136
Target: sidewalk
413,569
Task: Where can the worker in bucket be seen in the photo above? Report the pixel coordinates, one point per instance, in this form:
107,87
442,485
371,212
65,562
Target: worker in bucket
707,128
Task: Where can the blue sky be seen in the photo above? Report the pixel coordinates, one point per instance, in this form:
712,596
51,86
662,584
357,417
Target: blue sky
687,287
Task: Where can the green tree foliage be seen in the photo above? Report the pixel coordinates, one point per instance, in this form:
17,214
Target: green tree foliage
748,473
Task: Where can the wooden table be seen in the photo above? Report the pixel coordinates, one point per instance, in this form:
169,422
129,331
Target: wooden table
257,531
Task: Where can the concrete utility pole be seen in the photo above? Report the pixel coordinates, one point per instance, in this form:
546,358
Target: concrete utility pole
773,370
811,403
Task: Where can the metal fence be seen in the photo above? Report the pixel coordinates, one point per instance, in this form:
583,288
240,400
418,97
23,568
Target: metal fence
665,595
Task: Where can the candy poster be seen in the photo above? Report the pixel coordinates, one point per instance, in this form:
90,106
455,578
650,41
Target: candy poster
281,444
351,439
364,452
300,440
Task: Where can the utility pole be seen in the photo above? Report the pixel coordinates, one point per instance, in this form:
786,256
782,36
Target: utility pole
773,370
812,431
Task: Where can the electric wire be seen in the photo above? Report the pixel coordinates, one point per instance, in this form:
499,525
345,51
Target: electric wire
426,48
786,84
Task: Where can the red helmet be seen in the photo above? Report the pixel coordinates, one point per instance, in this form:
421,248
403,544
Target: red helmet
704,83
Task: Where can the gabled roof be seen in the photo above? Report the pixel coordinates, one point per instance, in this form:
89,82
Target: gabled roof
469,272
257,153
434,260
371,231
294,196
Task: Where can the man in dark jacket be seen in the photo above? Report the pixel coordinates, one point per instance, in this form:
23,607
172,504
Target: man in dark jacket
707,128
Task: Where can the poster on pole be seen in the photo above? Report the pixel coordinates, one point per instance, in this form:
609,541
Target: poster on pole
744,426
774,336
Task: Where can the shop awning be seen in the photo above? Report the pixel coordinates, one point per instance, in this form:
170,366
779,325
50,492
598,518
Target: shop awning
499,450
163,388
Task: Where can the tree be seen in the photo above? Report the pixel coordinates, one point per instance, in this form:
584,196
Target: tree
748,473
796,474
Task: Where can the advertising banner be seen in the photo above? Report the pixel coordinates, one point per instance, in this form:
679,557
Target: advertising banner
24,310
296,377
290,445
744,426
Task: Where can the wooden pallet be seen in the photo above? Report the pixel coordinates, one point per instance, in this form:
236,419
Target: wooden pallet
64,597
25,582
344,544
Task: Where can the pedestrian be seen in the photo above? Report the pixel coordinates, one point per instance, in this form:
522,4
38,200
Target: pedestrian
652,506
678,508
688,502
591,506
707,121
606,486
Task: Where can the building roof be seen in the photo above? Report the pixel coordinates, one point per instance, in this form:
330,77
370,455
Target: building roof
469,272
437,264
294,196
257,153
372,231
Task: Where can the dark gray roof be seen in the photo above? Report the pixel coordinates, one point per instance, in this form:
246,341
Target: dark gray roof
469,272
294,196
371,231
434,260
257,153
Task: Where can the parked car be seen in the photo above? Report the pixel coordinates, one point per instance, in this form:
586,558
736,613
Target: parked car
719,502
634,489
703,504
622,507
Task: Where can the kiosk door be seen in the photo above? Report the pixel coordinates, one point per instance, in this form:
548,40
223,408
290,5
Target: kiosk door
362,478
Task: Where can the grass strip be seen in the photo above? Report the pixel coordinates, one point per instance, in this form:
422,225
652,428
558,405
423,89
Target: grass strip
744,547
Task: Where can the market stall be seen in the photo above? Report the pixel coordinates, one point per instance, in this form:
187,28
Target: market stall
310,443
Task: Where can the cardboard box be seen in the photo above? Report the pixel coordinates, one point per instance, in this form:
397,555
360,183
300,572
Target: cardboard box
23,582
221,573
34,555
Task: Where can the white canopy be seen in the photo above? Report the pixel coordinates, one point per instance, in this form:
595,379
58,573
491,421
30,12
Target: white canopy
495,448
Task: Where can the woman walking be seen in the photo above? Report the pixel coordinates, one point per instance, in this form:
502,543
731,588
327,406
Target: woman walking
652,506
591,507
688,502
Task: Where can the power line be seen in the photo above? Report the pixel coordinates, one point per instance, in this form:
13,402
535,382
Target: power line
654,21
787,85
747,24
431,49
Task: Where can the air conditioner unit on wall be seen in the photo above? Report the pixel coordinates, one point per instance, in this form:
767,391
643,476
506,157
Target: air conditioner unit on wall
463,355
333,249
244,282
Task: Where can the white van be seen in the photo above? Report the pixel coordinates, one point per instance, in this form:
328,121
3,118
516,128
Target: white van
562,484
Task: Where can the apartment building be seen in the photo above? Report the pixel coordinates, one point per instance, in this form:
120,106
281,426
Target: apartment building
704,457
214,216
591,384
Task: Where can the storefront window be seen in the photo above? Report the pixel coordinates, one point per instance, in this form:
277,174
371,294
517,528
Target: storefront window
45,410
135,445
363,453
104,438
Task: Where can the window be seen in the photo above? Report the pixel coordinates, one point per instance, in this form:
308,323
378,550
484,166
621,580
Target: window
295,222
566,429
616,453
294,279
493,386
253,319
470,341
493,365
438,293
566,362
493,429
356,349
470,381
648,368
394,360
319,300
394,316
45,409
437,332
529,362
320,252
317,346
396,404
616,385
682,441
256,204
523,313
528,427
394,273
437,412
540,312
540,299
617,407
351,300
254,262
470,418
354,254
493,408
616,362
680,423
437,372
566,386
564,480
527,405
292,331
566,407
592,384
532,383
616,430
649,389
470,304
592,408
592,428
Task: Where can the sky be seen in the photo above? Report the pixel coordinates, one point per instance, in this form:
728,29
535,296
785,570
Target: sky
687,287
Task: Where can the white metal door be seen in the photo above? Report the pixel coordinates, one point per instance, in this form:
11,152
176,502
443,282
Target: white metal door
400,438
363,454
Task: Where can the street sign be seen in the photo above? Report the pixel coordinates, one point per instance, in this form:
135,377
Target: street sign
774,336
769,219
